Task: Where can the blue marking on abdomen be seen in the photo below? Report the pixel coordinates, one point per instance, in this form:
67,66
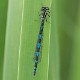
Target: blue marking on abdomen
37,54
36,61
40,36
38,45
34,68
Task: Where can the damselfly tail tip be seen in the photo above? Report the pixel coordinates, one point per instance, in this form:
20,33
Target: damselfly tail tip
34,73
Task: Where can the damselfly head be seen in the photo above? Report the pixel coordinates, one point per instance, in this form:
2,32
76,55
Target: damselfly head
44,8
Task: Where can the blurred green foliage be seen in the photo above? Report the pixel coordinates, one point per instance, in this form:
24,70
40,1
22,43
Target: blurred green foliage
3,19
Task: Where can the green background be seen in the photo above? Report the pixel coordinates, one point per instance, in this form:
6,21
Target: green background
19,27
3,19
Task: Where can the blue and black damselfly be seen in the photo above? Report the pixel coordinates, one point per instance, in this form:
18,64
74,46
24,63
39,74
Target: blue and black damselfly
44,13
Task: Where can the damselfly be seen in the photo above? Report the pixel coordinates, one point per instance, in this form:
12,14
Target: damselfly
43,16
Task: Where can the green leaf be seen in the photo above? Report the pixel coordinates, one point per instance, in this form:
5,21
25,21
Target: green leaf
3,16
21,37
